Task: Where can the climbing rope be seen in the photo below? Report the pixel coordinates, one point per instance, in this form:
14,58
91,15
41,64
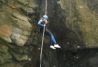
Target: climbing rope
42,46
46,5
43,35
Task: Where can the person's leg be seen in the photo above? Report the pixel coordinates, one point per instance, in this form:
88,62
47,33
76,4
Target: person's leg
52,39
51,36
47,32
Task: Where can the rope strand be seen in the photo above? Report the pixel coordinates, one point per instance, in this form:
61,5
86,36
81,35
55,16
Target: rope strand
46,4
42,46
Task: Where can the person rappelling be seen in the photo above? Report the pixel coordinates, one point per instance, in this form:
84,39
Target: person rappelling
43,23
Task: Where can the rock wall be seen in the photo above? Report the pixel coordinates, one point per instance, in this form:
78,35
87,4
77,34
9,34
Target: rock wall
71,21
81,17
15,31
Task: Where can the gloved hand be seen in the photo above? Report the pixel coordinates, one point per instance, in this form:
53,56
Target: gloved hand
46,22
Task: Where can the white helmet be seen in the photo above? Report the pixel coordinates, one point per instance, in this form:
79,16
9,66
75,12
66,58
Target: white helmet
45,16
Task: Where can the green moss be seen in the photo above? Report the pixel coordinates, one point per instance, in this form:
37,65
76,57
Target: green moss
4,54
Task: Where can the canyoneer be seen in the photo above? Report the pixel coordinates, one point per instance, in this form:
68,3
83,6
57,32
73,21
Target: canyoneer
43,22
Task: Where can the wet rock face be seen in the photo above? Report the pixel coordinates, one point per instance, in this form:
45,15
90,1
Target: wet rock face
93,5
22,31
15,30
14,25
81,17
